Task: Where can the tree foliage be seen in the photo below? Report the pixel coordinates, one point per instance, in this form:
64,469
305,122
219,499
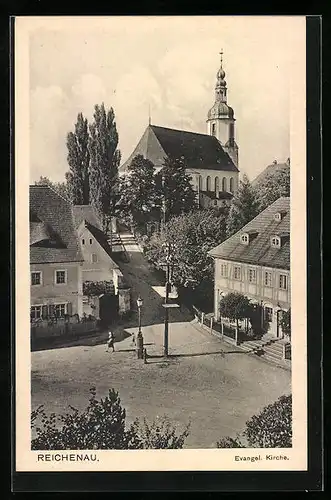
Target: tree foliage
139,196
272,186
60,187
104,162
244,206
191,237
285,322
101,426
175,188
95,288
271,428
235,306
160,434
78,160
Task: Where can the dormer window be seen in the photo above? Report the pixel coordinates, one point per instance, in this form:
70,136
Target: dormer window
279,216
245,239
275,241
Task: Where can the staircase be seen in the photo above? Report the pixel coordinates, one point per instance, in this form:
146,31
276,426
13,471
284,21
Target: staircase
267,348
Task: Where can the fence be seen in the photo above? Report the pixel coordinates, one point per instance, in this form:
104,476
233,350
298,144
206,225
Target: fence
223,329
50,330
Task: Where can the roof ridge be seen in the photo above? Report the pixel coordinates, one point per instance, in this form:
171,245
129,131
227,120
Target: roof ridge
182,130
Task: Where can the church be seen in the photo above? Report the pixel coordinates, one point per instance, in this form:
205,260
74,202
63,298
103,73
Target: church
211,159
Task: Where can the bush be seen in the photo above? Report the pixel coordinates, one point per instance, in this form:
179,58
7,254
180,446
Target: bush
285,323
161,434
271,428
101,426
235,306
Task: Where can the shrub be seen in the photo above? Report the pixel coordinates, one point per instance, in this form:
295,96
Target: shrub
271,428
101,426
285,322
235,306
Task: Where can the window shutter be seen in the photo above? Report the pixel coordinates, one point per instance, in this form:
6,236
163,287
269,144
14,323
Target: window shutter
69,309
44,312
51,310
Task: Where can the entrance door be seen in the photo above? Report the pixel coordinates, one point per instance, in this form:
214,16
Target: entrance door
108,307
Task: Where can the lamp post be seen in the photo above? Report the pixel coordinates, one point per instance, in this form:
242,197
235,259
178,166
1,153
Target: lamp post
140,340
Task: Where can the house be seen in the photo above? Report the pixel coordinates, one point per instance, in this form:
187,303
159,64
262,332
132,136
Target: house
255,261
271,170
98,265
211,159
56,260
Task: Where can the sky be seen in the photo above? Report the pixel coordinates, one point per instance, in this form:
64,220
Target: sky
167,65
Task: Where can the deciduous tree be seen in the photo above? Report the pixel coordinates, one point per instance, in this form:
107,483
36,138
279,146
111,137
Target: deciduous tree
272,186
104,162
271,428
244,206
78,160
175,188
235,306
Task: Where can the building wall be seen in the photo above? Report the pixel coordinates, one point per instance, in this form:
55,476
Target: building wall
203,175
48,292
222,129
268,296
102,269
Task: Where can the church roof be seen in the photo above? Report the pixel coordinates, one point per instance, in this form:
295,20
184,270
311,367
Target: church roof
199,151
53,237
259,251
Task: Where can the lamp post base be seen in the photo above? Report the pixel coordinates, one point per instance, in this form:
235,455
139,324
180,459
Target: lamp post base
140,346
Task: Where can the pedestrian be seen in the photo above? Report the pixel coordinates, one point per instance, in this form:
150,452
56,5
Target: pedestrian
110,342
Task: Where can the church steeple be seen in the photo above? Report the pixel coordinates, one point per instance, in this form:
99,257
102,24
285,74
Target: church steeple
220,89
220,119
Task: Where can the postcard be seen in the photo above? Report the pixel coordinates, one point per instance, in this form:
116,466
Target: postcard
160,203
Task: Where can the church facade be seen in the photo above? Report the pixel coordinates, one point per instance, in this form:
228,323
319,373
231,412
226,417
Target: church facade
211,159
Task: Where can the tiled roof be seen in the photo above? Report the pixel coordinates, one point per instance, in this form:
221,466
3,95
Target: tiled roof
270,169
259,251
87,213
99,236
199,151
53,237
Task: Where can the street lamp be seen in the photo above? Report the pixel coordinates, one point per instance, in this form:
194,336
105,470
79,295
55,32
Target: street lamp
140,340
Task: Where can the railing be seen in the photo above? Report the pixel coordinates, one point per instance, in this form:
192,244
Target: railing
225,330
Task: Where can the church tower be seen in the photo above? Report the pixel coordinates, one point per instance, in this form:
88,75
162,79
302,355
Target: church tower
220,120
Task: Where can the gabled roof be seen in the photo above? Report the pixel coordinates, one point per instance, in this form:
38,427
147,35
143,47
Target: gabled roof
53,237
199,151
87,213
100,237
259,251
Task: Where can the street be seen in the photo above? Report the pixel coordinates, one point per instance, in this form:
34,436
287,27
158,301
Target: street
212,384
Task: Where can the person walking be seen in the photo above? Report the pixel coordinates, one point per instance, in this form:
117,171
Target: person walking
110,343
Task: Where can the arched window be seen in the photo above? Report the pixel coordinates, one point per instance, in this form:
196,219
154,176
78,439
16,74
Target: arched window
213,129
217,185
200,182
208,184
231,185
224,184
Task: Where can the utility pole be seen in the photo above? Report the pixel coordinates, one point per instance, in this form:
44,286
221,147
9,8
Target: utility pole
166,301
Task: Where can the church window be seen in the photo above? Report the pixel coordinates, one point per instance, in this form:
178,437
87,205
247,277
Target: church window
224,184
217,185
231,131
200,182
231,185
208,183
213,129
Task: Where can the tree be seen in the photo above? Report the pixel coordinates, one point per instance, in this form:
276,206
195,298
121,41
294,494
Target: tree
235,306
138,192
272,186
104,162
191,236
175,188
101,426
60,187
79,160
285,322
271,428
244,206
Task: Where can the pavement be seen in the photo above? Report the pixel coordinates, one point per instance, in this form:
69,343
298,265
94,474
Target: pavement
214,385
